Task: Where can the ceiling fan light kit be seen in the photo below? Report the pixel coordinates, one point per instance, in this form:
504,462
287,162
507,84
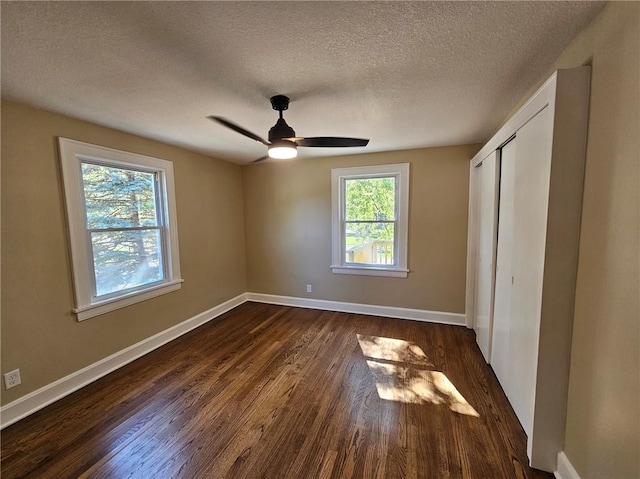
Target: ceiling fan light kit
283,150
283,143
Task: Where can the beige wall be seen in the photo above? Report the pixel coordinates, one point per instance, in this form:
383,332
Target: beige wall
603,419
288,230
40,335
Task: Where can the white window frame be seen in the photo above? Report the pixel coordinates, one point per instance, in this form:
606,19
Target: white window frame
72,154
338,177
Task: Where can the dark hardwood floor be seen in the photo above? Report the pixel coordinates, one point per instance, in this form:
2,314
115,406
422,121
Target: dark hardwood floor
269,391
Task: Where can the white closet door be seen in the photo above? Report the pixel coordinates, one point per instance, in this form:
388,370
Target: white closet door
531,201
550,135
485,257
500,359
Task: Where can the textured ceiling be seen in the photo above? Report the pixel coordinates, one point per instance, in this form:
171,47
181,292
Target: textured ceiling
405,74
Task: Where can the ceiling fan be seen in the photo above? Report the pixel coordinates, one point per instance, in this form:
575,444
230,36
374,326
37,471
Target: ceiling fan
283,142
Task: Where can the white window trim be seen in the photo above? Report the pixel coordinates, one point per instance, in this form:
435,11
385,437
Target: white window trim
72,152
338,176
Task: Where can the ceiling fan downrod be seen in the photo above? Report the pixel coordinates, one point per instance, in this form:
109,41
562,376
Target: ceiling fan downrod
280,130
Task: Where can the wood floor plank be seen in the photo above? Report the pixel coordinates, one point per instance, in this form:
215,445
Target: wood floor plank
268,391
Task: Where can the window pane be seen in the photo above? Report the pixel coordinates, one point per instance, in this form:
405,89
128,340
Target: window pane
369,243
126,259
370,199
118,198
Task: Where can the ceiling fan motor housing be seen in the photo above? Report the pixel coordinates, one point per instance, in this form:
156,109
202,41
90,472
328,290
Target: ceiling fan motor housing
281,130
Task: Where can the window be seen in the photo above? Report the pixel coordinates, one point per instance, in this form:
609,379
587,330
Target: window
122,226
370,217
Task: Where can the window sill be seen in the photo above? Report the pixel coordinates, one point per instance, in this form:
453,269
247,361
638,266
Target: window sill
370,271
96,309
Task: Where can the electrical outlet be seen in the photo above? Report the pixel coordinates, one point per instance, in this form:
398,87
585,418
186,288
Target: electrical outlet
309,288
12,378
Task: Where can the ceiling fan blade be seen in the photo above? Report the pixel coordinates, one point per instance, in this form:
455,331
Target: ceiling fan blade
237,128
262,158
331,142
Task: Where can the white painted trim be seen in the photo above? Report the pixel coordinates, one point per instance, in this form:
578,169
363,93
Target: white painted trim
370,271
50,393
471,247
542,98
72,153
122,301
456,319
565,468
401,245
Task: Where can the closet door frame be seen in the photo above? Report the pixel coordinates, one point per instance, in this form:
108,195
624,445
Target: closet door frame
566,94
544,97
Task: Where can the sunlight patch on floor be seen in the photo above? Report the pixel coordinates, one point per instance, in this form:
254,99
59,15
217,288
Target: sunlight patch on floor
404,377
390,349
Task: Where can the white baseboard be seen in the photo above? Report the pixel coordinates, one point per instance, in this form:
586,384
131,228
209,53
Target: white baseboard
40,398
456,319
565,468
36,400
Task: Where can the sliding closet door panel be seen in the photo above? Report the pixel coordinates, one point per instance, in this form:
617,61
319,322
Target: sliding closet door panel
500,348
485,256
530,205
